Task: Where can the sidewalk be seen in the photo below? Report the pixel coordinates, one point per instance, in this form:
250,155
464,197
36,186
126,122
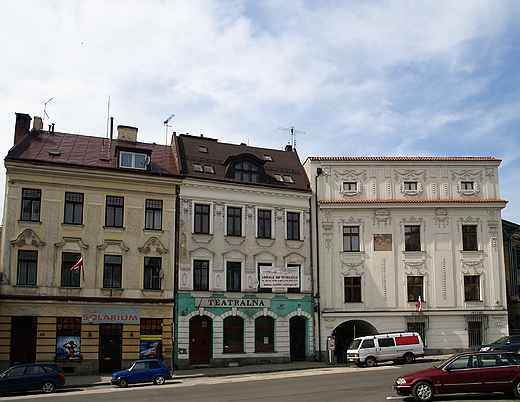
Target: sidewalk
81,381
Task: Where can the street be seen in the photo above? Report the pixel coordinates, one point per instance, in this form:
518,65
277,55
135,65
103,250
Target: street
327,384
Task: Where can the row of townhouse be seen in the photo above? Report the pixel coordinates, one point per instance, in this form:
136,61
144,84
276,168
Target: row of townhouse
203,253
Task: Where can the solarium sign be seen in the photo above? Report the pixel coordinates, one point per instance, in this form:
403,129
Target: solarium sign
110,315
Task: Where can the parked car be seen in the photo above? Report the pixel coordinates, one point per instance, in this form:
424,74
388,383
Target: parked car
464,373
504,343
398,346
28,377
149,370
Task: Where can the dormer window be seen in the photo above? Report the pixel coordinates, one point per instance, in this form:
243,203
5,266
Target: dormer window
202,149
199,167
268,158
133,160
246,171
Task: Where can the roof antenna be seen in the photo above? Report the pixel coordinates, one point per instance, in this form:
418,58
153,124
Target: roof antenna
45,110
166,124
293,134
108,114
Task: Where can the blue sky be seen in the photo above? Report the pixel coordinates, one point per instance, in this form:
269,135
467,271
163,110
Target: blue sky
360,78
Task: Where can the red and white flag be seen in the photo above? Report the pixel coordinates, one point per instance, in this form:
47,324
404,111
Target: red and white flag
419,304
78,264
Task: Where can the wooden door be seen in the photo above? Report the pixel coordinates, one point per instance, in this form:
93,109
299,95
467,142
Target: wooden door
23,340
297,336
200,340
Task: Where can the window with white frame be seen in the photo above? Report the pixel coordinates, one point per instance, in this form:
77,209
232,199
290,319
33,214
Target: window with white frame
133,160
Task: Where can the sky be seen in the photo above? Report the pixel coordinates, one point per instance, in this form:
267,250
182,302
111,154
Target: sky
356,78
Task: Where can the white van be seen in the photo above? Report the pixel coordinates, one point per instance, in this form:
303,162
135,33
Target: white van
398,346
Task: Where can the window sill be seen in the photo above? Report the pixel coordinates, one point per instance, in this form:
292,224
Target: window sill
201,238
114,229
152,292
264,241
29,224
266,351
235,240
112,291
295,244
72,226
25,288
69,290
152,232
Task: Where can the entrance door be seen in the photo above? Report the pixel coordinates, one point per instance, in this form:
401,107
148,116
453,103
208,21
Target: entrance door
297,335
23,340
200,340
110,347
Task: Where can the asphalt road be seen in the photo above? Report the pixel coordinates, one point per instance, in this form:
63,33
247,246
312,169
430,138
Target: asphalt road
328,384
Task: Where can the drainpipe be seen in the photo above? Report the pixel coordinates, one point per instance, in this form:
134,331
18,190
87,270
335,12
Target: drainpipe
319,171
175,325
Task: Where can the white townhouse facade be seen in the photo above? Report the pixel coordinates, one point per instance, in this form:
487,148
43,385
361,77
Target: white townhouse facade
244,279
393,231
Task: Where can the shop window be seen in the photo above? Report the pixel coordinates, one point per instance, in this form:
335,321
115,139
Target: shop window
31,203
200,275
469,237
471,287
114,212
412,238
351,238
201,224
151,338
73,208
233,274
152,273
293,226
264,224
70,277
68,338
264,334
415,288
233,335
112,271
352,289
234,221
153,215
27,267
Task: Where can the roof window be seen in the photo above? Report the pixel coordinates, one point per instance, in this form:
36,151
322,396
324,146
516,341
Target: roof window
268,158
203,149
199,167
132,160
283,178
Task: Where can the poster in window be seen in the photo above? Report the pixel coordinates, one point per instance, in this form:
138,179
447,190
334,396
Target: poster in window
67,347
151,347
383,242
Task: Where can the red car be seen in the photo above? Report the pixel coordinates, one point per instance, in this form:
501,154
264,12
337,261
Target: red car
464,373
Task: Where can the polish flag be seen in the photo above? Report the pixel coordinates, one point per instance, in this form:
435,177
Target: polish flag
78,264
419,304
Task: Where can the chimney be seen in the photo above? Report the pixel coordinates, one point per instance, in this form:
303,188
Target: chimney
37,123
127,133
21,128
288,147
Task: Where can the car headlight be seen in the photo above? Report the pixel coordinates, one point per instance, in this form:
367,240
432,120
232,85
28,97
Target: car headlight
485,349
400,381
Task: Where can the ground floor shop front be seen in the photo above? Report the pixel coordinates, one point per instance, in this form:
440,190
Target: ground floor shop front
84,338
226,330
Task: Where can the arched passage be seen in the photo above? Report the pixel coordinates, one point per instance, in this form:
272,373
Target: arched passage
346,332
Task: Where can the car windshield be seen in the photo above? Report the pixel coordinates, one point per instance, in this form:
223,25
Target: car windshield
355,344
501,340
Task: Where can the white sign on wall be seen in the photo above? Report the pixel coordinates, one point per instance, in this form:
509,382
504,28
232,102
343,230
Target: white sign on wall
271,277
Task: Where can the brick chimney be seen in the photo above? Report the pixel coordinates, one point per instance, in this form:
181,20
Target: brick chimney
127,133
22,126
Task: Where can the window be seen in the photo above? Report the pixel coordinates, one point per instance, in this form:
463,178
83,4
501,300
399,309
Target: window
153,218
151,339
234,272
469,237
31,203
293,226
410,186
417,326
200,275
386,342
112,271
234,221
475,333
264,334
27,263
68,277
415,287
233,335
350,186
201,219
133,161
260,288
351,238
202,149
246,171
114,212
264,224
73,208
412,238
295,290
466,185
352,289
471,287
199,167
152,273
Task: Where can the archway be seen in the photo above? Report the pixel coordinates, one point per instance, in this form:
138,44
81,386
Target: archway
346,332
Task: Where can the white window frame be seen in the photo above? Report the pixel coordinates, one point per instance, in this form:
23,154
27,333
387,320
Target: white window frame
272,223
134,154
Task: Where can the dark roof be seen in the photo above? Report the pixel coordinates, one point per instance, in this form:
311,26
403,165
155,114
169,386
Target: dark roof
84,151
222,156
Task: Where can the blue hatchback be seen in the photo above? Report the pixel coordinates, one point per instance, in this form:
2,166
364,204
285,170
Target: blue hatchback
27,377
149,370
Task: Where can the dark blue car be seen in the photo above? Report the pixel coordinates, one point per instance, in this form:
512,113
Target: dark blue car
27,377
149,370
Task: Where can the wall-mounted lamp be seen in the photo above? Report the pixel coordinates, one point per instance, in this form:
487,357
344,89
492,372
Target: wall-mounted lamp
89,333
131,334
90,320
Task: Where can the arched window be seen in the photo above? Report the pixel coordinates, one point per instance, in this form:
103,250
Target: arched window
233,335
264,334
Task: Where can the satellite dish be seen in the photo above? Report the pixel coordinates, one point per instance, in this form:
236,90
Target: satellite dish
161,273
147,161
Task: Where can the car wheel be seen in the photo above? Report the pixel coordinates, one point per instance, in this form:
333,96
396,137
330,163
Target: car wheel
122,383
516,388
159,380
422,391
408,358
48,387
370,361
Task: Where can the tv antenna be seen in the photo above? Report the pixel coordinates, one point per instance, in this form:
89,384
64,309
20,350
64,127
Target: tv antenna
45,110
293,134
166,124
